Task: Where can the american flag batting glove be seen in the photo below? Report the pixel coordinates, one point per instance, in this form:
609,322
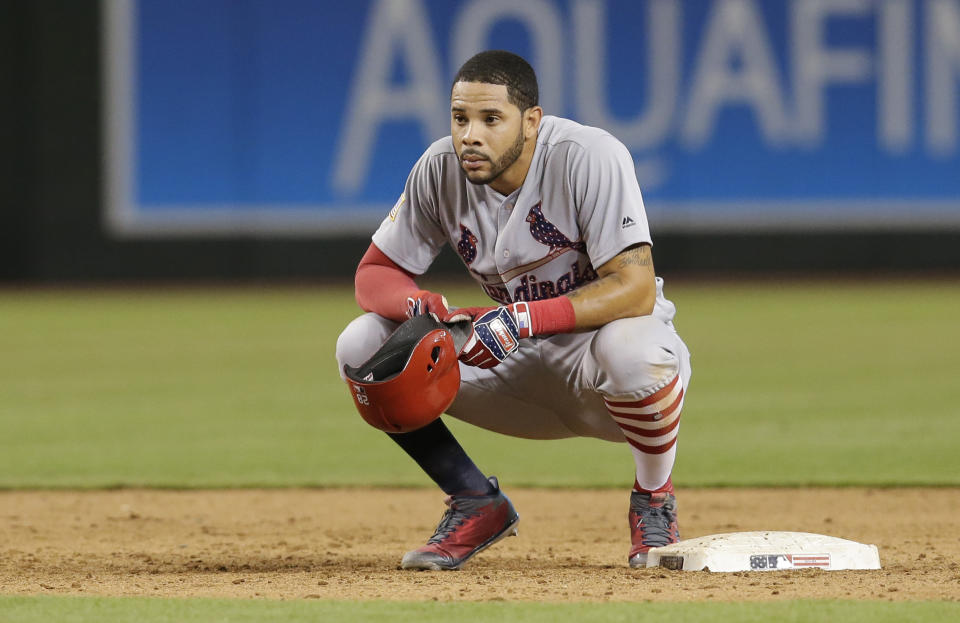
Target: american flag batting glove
496,334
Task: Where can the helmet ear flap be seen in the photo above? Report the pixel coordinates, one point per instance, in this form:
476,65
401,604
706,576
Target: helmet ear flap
410,380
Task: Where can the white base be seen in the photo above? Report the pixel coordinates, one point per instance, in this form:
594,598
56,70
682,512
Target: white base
765,551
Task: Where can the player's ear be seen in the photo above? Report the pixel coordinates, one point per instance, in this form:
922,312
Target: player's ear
531,121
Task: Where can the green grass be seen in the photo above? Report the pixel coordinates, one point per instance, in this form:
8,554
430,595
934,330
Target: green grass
792,384
143,610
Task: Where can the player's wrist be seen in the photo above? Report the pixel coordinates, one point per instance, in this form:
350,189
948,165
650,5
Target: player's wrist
551,316
426,302
413,302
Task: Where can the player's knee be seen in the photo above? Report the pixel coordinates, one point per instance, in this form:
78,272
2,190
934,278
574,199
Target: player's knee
362,337
635,356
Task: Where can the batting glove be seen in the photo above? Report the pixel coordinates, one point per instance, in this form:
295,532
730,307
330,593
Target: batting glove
496,335
458,314
427,302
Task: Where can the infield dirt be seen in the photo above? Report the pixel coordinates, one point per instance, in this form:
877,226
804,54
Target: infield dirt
347,543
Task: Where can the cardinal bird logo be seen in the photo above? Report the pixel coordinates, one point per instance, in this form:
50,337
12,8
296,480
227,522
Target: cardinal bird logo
545,232
467,246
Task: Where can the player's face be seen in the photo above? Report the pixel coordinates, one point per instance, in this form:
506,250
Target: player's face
489,133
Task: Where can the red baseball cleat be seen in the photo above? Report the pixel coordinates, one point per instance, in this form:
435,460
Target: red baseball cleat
471,524
653,523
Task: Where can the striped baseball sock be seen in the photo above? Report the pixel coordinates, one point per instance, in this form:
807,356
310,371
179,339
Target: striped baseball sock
650,426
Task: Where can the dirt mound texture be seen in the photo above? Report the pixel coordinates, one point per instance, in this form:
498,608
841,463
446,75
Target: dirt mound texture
347,544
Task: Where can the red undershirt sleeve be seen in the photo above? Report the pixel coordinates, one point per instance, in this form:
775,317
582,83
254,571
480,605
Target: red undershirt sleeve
382,287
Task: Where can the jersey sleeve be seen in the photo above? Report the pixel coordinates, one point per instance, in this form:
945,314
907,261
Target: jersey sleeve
411,235
610,209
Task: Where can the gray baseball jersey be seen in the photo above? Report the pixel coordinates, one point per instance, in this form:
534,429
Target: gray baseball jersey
578,207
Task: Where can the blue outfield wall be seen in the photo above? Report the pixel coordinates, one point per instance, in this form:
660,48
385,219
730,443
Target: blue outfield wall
303,117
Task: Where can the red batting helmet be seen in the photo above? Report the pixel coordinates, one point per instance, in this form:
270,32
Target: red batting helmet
412,378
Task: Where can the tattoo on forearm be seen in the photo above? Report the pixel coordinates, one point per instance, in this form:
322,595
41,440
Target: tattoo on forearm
586,289
638,257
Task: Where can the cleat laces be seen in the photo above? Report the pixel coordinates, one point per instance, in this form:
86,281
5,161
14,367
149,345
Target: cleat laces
452,519
654,526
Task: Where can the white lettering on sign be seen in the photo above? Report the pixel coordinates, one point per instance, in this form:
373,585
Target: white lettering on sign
650,128
735,38
541,20
815,65
397,30
895,76
943,65
735,64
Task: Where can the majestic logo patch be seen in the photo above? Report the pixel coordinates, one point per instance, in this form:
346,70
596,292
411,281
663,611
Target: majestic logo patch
545,232
627,222
467,246
396,206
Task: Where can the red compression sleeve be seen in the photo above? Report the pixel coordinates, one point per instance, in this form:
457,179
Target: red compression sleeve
382,287
551,316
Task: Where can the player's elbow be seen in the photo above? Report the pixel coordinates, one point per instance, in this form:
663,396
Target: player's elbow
364,287
633,300
642,297
641,306
361,301
645,306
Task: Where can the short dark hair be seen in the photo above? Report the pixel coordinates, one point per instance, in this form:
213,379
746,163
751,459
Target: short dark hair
506,68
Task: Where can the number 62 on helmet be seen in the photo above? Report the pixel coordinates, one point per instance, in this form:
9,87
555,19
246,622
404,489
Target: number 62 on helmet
412,378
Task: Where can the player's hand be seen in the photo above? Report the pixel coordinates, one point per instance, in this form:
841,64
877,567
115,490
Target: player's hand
427,302
459,314
496,335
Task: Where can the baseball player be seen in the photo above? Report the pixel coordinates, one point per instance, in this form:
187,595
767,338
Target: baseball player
547,217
